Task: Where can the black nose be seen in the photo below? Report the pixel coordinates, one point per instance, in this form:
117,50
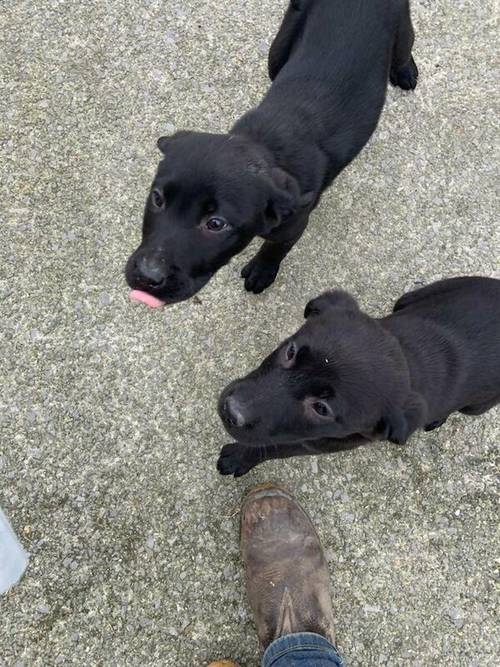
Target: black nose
233,412
150,271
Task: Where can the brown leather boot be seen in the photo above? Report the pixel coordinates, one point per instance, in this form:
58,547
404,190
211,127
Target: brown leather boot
285,570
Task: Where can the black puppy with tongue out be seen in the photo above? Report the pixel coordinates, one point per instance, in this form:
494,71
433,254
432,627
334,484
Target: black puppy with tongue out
213,193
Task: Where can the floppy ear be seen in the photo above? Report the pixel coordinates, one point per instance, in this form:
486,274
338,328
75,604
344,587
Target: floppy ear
333,299
163,142
285,198
397,424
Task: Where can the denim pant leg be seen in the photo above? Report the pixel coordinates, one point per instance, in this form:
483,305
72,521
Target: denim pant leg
303,649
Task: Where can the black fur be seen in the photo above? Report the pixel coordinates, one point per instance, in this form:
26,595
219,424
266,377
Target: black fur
330,63
437,353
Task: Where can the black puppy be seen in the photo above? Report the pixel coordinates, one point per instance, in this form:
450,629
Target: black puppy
346,379
212,194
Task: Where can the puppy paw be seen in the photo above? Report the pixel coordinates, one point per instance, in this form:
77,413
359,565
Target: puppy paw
233,460
258,275
432,425
405,77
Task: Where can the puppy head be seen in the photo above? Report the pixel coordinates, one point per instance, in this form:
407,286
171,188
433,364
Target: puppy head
340,374
211,195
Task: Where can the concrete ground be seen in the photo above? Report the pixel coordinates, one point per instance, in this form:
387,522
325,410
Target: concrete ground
109,430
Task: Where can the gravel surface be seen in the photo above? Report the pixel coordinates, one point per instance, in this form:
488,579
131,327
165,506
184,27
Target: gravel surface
109,434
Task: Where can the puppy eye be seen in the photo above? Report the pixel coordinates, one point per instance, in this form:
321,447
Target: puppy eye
157,199
216,224
321,408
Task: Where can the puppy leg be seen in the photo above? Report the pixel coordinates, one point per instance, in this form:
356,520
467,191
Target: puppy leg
285,39
432,425
480,408
404,72
235,459
261,271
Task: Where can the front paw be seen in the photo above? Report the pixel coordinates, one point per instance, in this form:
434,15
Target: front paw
405,77
234,460
259,274
432,425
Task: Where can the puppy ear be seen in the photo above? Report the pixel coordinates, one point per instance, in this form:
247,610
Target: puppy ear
333,299
285,198
281,205
163,142
397,424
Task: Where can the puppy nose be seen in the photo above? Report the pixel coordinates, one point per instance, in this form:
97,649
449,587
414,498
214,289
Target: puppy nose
151,271
233,412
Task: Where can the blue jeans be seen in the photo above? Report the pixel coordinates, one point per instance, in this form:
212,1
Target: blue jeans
304,649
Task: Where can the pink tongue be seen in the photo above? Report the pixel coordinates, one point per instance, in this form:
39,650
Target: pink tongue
144,297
